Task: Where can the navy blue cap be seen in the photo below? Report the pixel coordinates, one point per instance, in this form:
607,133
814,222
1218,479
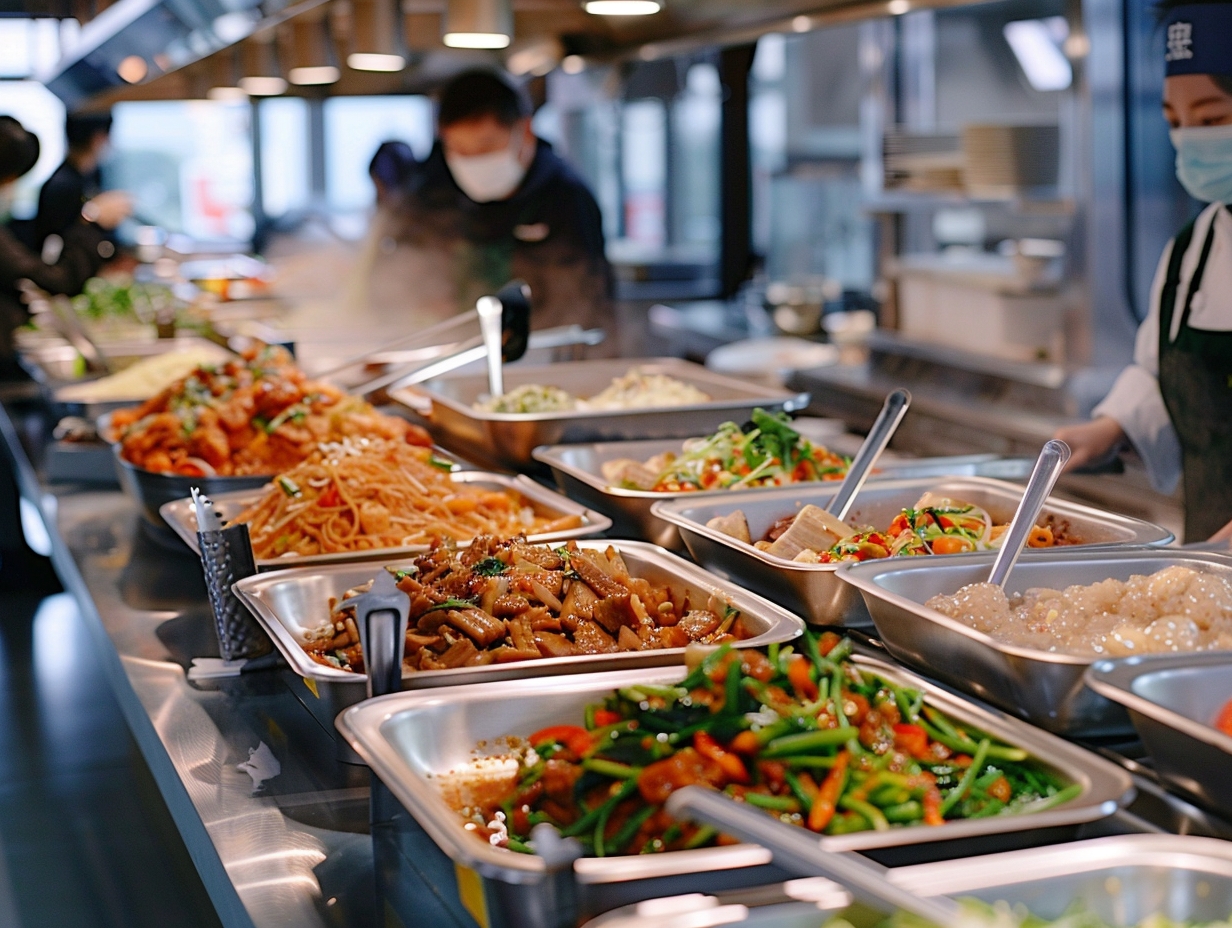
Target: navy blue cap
1198,39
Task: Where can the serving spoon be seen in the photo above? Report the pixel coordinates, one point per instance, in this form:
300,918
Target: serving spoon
800,851
1048,465
892,412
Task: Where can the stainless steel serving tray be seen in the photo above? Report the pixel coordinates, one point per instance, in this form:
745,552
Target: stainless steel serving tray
414,740
1120,880
54,366
153,490
290,604
1173,701
447,404
578,471
1042,686
814,590
181,516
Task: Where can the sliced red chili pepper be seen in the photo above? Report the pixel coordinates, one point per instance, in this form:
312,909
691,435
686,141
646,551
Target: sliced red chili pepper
733,766
911,739
330,497
574,737
605,717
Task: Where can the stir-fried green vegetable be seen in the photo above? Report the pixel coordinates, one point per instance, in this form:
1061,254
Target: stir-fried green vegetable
766,452
808,737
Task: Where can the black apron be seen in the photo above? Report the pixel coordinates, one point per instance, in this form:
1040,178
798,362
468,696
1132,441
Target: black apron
1195,378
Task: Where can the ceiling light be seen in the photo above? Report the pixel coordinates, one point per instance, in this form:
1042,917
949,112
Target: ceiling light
260,67
376,36
573,64
133,69
622,7
898,7
315,61
263,86
801,24
227,94
538,57
1037,44
478,24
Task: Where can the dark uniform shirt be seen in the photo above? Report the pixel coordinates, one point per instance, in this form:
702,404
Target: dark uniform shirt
61,199
549,234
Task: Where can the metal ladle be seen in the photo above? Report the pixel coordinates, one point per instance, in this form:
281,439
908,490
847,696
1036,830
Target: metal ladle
800,851
1048,465
892,412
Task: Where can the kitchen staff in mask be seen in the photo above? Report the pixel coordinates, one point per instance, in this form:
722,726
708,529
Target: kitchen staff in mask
83,250
498,204
1174,403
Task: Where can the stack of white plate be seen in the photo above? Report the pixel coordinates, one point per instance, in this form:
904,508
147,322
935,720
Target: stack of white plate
1006,160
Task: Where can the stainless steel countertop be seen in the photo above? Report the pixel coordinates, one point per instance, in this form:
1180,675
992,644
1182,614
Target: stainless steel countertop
298,852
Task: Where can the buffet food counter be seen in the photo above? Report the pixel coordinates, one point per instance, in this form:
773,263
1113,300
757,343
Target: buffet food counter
287,825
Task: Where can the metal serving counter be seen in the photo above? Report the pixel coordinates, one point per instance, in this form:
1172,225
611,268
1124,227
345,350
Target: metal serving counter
297,847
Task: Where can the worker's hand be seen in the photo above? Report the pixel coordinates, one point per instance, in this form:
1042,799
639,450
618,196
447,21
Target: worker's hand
1090,441
1224,534
109,208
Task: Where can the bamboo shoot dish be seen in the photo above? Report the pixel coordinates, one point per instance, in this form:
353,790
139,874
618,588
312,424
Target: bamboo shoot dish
257,414
501,601
934,525
807,736
767,452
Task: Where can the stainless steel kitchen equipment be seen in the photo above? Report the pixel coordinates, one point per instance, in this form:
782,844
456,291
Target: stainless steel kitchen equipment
1044,687
179,515
413,740
1173,701
578,471
447,404
1120,880
814,590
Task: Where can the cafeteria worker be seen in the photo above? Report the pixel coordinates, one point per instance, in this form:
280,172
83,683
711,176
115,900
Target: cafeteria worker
84,247
1174,402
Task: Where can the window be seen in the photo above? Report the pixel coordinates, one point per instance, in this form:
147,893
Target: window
354,127
286,180
188,166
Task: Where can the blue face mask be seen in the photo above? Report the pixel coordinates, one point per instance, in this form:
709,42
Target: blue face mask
1204,162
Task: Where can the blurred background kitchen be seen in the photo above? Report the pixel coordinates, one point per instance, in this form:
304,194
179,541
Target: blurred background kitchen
968,199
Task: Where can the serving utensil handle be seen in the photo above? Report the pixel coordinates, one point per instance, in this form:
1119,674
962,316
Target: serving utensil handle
381,616
800,851
892,412
1052,458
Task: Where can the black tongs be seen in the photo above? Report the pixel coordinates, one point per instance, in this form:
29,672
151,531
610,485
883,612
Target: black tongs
381,616
515,303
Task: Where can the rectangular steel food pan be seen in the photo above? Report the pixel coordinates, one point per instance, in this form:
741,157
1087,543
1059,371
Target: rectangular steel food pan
447,405
293,603
1173,701
813,590
1120,880
1042,686
181,516
413,740
578,471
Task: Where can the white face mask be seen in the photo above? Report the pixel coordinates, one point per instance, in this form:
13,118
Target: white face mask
485,178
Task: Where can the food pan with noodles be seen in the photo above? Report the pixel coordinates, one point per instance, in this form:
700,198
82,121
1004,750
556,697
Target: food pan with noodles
1066,609
1181,707
1164,881
511,626
455,410
448,505
587,761
912,516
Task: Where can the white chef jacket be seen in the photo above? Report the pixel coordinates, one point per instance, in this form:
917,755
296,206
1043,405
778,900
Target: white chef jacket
1134,400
